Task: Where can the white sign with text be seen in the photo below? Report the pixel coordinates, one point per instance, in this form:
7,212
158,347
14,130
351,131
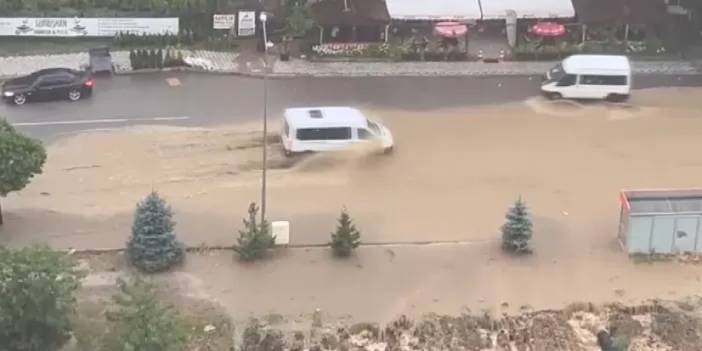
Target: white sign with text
85,27
223,21
247,23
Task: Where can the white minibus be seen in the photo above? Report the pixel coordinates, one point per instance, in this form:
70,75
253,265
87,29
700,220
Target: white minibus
589,77
312,129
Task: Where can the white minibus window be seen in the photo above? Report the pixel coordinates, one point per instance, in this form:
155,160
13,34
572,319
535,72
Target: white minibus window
338,133
567,80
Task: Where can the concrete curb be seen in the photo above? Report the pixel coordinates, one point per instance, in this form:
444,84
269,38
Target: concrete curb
374,75
300,246
355,75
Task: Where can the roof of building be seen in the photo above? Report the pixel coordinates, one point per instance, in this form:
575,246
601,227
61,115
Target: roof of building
664,201
325,117
497,9
597,64
350,12
617,12
456,10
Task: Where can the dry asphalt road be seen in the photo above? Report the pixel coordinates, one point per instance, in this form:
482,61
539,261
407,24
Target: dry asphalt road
192,99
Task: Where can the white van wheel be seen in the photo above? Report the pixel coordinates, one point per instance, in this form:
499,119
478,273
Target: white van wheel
555,96
617,98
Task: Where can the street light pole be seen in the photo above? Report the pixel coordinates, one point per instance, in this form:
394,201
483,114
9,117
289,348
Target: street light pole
264,179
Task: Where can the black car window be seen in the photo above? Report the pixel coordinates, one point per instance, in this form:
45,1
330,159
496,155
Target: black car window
55,79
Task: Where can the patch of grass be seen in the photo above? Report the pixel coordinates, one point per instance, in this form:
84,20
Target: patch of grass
89,326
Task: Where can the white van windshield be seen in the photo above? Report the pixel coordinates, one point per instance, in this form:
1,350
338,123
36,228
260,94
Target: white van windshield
374,127
556,73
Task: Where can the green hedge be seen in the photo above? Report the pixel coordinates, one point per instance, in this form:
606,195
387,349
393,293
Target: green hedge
143,58
531,52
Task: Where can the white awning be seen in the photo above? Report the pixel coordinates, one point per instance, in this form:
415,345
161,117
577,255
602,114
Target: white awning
541,9
434,10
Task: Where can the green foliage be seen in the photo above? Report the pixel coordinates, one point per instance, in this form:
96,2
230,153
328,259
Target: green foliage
299,20
139,321
20,159
346,237
255,239
517,231
159,58
36,298
153,246
258,338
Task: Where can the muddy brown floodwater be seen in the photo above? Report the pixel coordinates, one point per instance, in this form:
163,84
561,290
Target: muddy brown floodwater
452,177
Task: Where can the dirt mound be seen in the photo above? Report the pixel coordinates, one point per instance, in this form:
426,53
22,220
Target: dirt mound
678,328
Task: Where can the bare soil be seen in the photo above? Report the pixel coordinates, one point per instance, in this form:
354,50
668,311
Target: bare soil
654,325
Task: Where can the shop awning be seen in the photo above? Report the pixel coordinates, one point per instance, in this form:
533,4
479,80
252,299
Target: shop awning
616,12
434,10
356,12
541,9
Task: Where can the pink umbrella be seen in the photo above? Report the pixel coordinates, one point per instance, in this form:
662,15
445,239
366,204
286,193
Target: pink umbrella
450,29
548,29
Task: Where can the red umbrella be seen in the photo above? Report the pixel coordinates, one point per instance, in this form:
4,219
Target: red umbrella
548,29
450,29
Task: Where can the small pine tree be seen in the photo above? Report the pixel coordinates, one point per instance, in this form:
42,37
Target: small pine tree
133,60
159,58
255,239
141,57
180,61
346,237
140,321
153,246
517,231
167,59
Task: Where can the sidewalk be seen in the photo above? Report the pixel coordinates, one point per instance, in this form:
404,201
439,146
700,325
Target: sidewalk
225,62
252,64
427,69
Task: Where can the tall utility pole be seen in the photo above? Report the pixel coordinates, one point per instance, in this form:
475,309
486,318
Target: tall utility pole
263,17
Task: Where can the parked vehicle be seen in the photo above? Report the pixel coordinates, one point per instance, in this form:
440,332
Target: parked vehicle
48,84
589,77
314,129
100,60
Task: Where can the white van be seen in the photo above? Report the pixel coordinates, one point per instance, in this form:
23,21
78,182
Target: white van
589,77
329,129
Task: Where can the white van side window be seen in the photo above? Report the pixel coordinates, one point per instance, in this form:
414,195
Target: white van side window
338,133
602,80
286,129
364,134
567,80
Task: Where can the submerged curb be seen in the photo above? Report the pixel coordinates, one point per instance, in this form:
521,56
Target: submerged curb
201,248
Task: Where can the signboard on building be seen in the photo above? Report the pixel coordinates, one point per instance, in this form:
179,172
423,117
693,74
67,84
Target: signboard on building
247,23
85,27
223,21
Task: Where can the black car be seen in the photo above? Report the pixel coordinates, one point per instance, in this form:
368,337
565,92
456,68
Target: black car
48,84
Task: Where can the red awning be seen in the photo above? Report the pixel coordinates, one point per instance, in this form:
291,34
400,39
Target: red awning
450,29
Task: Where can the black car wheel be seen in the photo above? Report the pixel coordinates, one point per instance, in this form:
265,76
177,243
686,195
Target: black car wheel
19,99
74,95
